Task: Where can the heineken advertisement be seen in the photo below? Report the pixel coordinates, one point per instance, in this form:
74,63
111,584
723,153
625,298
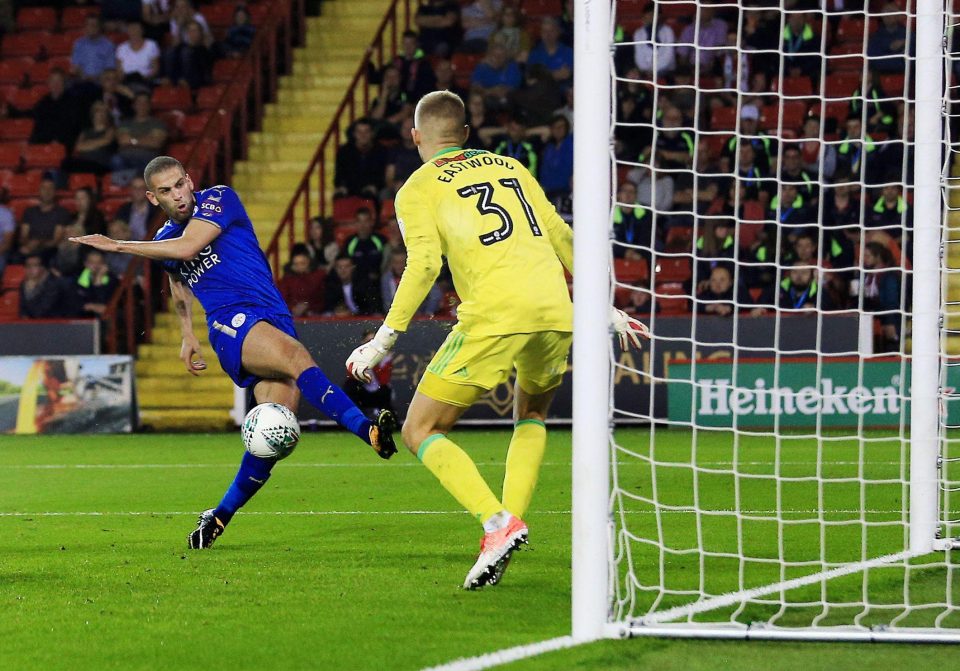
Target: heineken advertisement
756,394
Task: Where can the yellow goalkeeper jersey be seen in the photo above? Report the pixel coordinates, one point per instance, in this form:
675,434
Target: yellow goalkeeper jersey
503,240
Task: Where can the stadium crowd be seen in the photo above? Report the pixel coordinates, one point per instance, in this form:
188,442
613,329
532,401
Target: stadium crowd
744,196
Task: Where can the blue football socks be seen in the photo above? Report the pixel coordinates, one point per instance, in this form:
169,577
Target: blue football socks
334,403
253,474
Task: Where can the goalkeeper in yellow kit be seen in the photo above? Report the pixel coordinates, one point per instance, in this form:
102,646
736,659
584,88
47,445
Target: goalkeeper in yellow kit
504,243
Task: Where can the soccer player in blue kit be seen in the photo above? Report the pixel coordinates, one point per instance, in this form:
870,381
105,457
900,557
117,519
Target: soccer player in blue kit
210,251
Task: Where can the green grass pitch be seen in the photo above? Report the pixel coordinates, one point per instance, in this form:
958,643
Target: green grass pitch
342,561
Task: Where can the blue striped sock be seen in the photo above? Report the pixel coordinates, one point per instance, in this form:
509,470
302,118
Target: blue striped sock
328,398
253,474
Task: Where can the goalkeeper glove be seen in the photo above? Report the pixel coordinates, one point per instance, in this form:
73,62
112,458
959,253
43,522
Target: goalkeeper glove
366,357
628,328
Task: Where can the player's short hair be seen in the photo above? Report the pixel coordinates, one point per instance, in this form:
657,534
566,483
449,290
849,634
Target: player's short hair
160,164
444,112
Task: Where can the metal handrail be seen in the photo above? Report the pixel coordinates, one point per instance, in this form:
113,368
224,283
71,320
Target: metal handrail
315,176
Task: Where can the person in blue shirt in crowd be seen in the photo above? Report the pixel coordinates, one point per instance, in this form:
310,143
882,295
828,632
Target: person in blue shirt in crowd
210,251
551,52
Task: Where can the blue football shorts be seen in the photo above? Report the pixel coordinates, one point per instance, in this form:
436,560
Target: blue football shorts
229,328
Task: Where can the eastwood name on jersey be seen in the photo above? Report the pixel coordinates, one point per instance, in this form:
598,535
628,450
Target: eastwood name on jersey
472,158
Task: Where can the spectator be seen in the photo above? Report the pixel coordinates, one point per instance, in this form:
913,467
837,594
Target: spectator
439,25
517,145
897,156
57,115
791,210
881,112
416,76
302,285
190,61
800,46
479,20
804,250
240,35
495,76
41,228
375,395
511,36
93,52
818,157
716,297
841,221
483,128
633,225
321,244
139,139
391,280
446,78
654,188
714,246
793,171
538,99
880,284
552,53
886,46
361,163
391,106
765,147
402,161
94,286
674,146
118,263
95,146
115,95
854,155
138,58
751,178
649,52
798,290
88,219
181,15
633,133
366,249
136,211
42,294
8,229
891,212
156,17
557,175
343,296
709,34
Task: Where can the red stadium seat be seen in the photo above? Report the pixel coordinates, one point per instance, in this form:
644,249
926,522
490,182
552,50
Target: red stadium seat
110,206
630,271
171,98
25,99
463,67
345,209
388,210
748,231
671,11
37,18
15,71
25,185
220,15
44,156
9,305
12,276
342,233
225,70
60,45
22,45
258,12
180,150
723,118
108,189
892,85
845,63
11,154
541,8
73,18
17,129
209,97
679,237
850,30
194,124
672,269
842,84
174,122
797,86
670,299
80,180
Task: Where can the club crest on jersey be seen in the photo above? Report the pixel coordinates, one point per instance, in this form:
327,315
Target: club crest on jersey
238,320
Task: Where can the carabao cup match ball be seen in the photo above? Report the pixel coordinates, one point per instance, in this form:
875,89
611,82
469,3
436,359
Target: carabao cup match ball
270,431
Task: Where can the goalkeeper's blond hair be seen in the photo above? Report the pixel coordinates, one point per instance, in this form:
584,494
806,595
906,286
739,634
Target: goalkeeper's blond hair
441,117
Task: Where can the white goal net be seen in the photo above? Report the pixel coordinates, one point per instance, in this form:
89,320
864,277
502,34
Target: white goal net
783,462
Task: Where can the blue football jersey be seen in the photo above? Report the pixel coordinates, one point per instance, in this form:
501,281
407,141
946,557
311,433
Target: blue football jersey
232,271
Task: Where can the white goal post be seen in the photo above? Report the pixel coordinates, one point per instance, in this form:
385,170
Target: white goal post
766,485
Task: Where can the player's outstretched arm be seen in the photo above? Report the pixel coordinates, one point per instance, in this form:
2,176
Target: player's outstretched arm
197,235
190,347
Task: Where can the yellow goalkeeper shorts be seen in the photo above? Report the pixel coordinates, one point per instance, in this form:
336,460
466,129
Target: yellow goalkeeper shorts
466,366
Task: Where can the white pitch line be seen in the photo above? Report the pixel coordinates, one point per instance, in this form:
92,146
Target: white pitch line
325,513
414,464
507,655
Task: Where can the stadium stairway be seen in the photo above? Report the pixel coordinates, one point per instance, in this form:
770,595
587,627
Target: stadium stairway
169,398
294,125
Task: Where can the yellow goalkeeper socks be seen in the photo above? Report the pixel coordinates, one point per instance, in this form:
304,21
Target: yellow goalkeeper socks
459,475
523,464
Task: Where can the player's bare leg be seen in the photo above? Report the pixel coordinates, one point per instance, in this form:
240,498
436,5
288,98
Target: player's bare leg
424,433
273,355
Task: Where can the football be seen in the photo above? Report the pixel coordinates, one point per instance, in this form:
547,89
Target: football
270,431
